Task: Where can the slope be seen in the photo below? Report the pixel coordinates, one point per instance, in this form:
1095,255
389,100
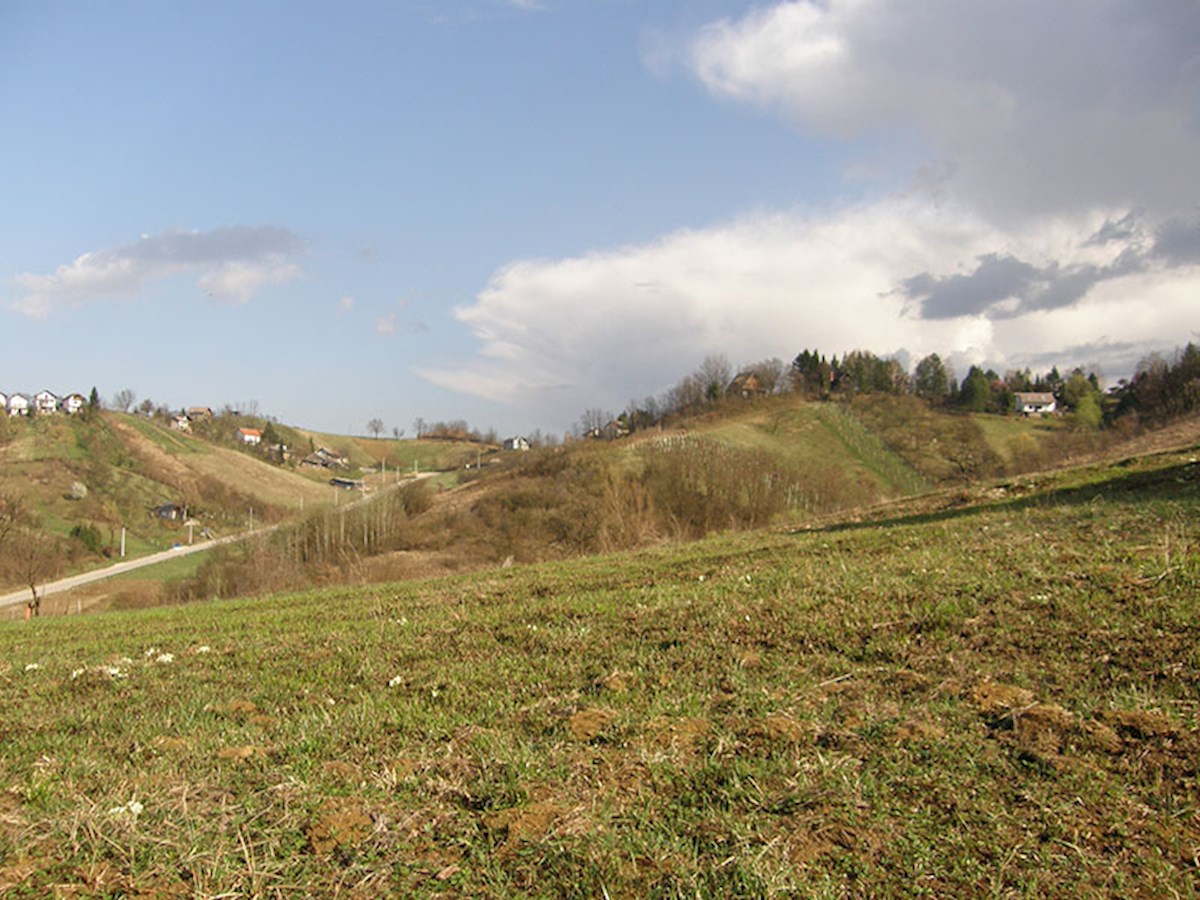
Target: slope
998,698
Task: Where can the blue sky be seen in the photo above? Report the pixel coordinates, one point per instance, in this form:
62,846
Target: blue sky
509,211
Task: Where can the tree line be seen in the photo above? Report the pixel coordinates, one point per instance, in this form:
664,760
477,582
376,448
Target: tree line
1161,388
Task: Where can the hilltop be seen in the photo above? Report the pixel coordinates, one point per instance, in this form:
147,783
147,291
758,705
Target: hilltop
986,689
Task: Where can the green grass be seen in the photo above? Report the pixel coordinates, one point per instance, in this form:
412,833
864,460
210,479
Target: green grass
987,700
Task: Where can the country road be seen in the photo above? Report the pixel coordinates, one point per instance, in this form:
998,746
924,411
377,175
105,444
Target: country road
74,581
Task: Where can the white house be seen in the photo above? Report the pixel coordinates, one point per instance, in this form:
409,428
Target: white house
45,402
73,403
516,443
1035,404
18,405
251,436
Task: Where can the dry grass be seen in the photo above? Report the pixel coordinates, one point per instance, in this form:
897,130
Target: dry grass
998,698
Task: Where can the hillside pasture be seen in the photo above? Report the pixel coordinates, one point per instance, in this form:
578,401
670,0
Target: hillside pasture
996,697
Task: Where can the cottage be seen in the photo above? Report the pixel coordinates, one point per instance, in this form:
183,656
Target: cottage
746,385
181,423
516,443
73,403
324,458
18,405
45,402
250,436
1035,403
172,512
199,412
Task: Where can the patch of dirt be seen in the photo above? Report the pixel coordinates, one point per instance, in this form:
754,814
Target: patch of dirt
165,744
240,710
916,732
243,753
1138,724
682,738
340,825
993,699
589,724
525,824
618,682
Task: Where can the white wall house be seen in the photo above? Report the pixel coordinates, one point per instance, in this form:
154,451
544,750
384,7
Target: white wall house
18,405
45,402
1035,404
73,403
251,436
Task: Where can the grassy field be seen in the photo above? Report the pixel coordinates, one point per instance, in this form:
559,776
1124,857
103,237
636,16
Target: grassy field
997,698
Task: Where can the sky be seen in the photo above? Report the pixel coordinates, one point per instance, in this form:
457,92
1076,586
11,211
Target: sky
510,211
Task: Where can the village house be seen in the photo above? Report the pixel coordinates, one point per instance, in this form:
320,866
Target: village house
516,443
324,458
18,405
1035,403
181,422
746,385
45,402
198,412
250,436
73,403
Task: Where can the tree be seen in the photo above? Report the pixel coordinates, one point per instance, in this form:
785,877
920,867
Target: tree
123,399
930,379
714,376
419,426
93,400
375,426
397,432
34,557
976,391
592,422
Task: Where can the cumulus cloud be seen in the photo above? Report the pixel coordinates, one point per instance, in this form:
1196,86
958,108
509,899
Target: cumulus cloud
558,336
231,263
1040,219
1030,107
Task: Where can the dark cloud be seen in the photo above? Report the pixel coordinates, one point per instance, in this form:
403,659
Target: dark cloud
1177,242
1003,286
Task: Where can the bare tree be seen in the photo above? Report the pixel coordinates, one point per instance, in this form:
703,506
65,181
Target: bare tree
593,420
123,399
714,375
375,426
35,558
419,426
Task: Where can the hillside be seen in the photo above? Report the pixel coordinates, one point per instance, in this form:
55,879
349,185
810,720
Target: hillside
102,473
998,696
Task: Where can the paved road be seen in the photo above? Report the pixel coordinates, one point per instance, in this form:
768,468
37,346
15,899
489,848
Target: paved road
74,581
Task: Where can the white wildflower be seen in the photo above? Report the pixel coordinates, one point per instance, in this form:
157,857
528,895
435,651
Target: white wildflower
113,672
77,672
132,809
31,667
396,681
165,658
153,651
204,648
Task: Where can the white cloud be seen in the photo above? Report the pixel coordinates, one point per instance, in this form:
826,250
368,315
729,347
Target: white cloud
1029,107
386,324
559,336
232,263
1041,214
345,304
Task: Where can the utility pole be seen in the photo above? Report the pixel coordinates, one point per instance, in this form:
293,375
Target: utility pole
122,542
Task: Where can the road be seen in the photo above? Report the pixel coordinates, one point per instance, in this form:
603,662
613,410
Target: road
129,565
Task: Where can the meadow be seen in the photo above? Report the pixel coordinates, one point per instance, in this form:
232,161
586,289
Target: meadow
981,693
